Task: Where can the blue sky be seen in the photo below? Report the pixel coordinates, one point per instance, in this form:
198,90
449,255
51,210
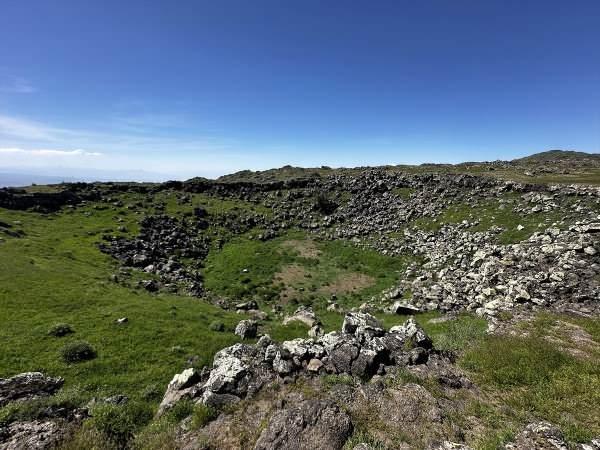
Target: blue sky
184,88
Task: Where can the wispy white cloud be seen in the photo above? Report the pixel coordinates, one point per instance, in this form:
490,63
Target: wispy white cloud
16,85
180,152
47,153
26,129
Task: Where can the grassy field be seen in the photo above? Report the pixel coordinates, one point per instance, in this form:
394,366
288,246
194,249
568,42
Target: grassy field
55,274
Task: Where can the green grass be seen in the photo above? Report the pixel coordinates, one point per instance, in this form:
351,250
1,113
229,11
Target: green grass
56,274
224,270
225,275
537,380
403,192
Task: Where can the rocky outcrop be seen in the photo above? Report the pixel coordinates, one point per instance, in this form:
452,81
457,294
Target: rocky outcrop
37,435
545,436
307,424
26,386
409,408
363,348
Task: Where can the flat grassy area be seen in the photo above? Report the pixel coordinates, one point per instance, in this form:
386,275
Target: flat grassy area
294,270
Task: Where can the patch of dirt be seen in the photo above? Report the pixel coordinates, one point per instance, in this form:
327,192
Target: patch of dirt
348,282
290,275
573,339
306,248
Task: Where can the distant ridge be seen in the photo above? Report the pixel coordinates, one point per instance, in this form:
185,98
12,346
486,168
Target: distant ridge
558,155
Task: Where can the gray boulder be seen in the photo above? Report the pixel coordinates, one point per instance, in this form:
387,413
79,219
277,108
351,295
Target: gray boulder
36,434
246,329
28,385
362,325
304,314
178,388
307,424
412,334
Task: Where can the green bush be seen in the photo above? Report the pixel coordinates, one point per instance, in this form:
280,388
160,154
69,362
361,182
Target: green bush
78,351
181,410
202,414
60,330
119,423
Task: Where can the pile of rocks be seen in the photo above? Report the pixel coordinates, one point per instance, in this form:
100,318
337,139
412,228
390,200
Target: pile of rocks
553,268
157,250
363,348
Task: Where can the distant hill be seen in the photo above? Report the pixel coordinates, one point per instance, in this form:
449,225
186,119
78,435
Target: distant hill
559,156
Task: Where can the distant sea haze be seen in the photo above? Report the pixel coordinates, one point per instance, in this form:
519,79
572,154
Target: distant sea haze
17,178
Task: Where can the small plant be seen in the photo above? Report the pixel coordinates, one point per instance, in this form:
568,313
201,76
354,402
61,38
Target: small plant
119,423
324,204
178,349
363,437
60,330
151,392
202,414
181,410
332,380
217,326
78,351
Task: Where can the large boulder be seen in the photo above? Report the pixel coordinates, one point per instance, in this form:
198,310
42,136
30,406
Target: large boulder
304,314
36,434
307,424
412,334
362,325
237,371
28,385
179,387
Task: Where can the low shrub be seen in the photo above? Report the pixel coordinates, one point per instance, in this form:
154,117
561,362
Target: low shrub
60,330
202,414
120,422
217,326
78,351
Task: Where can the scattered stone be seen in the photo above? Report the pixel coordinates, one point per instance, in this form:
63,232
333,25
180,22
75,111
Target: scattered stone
402,307
178,388
314,365
246,329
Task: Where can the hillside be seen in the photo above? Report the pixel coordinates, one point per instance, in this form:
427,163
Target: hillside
302,308
560,156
